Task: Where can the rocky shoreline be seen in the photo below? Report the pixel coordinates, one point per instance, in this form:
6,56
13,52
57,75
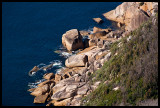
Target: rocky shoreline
71,84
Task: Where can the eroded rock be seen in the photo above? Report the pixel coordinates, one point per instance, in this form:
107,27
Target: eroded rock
49,76
35,69
98,20
63,102
41,90
130,14
40,98
72,40
76,60
83,90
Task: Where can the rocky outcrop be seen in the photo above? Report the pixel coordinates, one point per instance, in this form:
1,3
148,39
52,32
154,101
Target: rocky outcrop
35,69
131,14
98,34
40,90
47,82
58,77
49,76
61,90
40,98
63,102
84,32
98,20
72,40
97,29
76,60
67,87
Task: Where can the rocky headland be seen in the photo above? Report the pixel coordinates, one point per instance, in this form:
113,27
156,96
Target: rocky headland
72,83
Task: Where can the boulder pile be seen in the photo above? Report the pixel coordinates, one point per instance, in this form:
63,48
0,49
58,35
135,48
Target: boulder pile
67,87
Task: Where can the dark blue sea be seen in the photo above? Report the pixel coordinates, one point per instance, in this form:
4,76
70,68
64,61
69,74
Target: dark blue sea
31,32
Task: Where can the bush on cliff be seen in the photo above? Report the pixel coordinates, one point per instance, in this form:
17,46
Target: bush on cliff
134,69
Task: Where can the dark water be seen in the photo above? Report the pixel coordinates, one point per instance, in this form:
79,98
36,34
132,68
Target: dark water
31,32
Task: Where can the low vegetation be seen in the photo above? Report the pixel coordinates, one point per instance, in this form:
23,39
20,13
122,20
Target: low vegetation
133,68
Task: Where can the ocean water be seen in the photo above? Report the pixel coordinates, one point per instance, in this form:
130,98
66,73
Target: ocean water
31,32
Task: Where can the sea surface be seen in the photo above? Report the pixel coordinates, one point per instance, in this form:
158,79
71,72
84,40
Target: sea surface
31,33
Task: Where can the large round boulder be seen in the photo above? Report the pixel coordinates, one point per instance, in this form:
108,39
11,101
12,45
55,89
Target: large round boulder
72,40
76,60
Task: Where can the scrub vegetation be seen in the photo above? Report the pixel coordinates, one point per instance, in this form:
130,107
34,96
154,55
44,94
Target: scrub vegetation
133,67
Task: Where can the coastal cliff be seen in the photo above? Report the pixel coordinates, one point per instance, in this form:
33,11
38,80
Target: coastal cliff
132,14
112,67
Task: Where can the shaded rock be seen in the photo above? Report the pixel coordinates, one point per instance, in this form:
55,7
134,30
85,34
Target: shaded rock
110,35
97,29
125,33
72,40
83,90
100,43
117,33
66,75
58,77
99,34
63,94
84,33
46,82
119,24
86,42
74,70
97,65
81,84
49,104
92,42
83,76
107,56
61,85
76,60
40,98
41,90
32,89
98,20
149,7
101,54
77,77
58,87
49,76
71,87
76,100
83,70
62,103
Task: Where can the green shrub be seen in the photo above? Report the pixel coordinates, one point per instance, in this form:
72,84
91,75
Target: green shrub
134,69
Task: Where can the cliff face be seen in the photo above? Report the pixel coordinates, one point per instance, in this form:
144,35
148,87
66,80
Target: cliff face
132,14
117,67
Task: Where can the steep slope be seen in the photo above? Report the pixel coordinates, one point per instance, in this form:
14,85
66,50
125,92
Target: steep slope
131,74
